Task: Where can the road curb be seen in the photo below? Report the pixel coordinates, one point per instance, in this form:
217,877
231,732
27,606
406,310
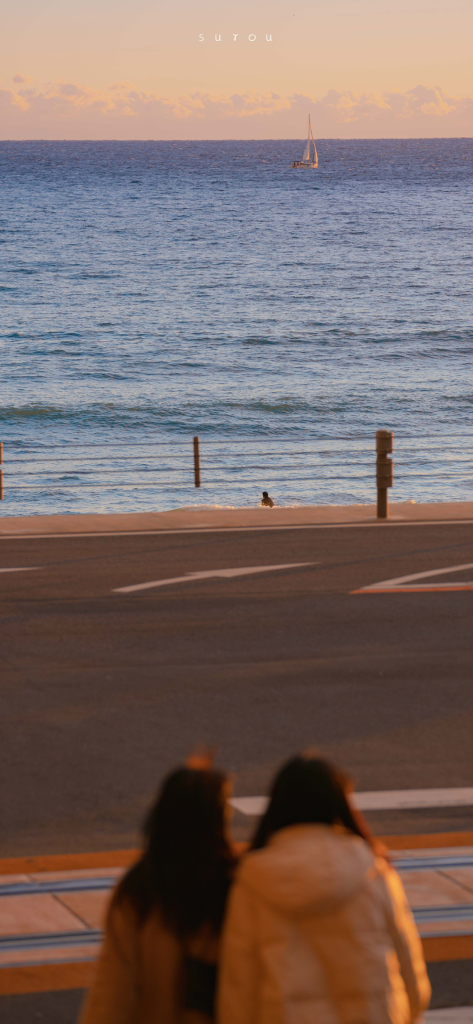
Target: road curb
124,858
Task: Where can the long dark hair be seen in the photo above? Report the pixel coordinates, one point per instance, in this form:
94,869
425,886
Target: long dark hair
309,790
187,865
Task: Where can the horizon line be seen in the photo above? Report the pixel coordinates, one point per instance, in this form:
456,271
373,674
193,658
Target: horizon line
320,138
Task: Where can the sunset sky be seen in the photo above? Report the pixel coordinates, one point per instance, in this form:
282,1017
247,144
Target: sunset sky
132,69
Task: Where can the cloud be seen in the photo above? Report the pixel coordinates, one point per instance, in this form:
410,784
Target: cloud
21,78
12,102
68,110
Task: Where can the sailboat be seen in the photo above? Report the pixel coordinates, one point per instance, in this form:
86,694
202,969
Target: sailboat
306,160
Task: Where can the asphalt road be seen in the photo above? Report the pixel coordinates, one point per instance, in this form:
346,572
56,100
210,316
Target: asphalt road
102,692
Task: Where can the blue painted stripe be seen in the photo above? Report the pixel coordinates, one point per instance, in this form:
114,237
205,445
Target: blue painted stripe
458,912
89,936
432,863
34,888
74,940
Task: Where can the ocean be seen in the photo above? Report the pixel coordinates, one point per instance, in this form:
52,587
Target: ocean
153,291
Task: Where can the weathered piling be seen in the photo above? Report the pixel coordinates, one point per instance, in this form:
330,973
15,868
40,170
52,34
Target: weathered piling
384,470
196,462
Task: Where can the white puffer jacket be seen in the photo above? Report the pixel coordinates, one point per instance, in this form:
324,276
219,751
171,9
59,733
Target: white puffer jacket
318,931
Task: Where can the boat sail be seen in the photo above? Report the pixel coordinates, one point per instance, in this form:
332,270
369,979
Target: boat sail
306,160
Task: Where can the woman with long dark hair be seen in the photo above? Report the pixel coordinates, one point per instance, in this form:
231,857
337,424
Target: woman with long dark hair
158,960
318,929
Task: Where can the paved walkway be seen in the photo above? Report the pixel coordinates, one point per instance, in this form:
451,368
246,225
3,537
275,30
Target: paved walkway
51,921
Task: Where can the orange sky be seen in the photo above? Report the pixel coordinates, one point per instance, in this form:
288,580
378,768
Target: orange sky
136,68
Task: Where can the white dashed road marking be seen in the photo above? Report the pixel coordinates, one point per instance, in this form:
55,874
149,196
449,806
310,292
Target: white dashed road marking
208,574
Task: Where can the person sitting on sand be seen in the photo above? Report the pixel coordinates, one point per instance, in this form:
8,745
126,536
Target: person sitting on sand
267,500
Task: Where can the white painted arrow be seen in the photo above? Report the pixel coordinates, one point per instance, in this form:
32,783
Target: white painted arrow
23,568
208,574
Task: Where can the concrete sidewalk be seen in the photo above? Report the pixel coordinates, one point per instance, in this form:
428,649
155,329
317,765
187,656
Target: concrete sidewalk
230,518
51,921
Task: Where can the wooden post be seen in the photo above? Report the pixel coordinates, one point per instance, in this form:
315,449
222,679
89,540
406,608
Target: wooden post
1,471
196,462
382,506
384,470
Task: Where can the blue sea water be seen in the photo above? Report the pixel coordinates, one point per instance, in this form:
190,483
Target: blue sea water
150,291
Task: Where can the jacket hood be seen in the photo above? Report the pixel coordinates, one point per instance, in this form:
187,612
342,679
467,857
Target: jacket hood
307,869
